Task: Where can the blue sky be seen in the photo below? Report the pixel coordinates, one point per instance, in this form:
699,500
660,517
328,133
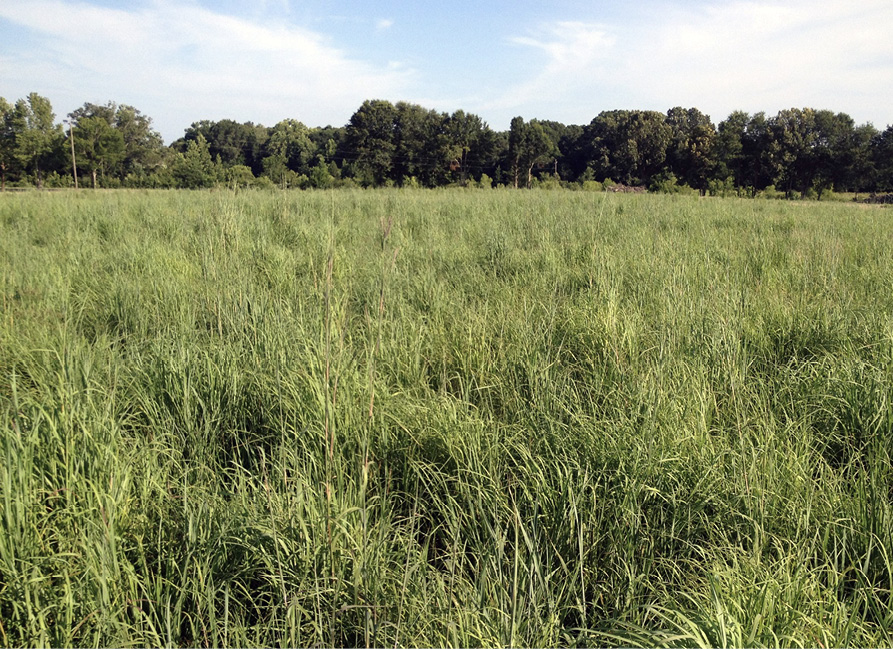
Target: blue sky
180,61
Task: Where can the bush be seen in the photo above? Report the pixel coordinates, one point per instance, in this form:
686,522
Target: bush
722,188
666,183
53,180
549,182
263,182
771,193
239,176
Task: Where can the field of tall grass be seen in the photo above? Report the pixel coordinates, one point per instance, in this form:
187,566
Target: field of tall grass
403,418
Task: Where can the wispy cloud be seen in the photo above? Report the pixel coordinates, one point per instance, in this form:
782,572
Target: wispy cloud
565,55
215,65
383,23
717,56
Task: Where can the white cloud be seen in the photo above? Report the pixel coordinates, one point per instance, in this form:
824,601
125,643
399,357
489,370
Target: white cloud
383,23
718,56
570,52
212,65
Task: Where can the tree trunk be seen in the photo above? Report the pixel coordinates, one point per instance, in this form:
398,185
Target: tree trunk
94,178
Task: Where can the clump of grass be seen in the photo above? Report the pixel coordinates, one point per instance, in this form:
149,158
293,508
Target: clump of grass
443,418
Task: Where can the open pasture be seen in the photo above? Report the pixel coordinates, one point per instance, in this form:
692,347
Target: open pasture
459,418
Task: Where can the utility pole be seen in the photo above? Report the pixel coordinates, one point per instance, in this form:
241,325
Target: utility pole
74,166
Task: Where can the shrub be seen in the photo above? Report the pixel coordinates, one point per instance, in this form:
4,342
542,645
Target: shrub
263,182
722,188
771,193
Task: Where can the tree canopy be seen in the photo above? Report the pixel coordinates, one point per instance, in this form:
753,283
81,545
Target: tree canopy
798,151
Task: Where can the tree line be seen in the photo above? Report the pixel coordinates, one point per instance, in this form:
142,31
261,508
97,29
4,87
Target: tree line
798,152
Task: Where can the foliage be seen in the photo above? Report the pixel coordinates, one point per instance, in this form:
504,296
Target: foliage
690,152
35,137
195,168
98,145
8,158
116,142
529,146
803,152
630,146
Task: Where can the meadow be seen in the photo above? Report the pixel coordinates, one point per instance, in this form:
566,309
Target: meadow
444,418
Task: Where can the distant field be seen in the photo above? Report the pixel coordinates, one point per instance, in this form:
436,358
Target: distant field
458,418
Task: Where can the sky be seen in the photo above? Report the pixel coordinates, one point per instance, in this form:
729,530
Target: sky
181,61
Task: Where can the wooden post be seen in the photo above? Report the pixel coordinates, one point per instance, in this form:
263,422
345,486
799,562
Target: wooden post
74,166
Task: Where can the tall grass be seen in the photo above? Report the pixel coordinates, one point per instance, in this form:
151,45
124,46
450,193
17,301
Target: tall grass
401,418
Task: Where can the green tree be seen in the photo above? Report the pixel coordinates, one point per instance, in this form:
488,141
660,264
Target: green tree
7,142
419,148
320,175
234,143
629,146
728,149
881,156
690,152
529,146
35,135
99,147
195,169
239,176
810,148
857,168
370,140
463,131
289,148
142,144
759,168
841,152
329,144
141,148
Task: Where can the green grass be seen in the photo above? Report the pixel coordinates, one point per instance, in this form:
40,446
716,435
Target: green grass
403,418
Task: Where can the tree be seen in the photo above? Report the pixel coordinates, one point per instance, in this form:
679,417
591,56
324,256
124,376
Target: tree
881,154
99,147
288,148
690,152
571,153
195,168
370,139
857,168
7,142
792,138
841,152
516,148
116,140
759,170
239,176
809,148
629,146
529,146
142,143
418,148
464,133
728,149
234,143
36,137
